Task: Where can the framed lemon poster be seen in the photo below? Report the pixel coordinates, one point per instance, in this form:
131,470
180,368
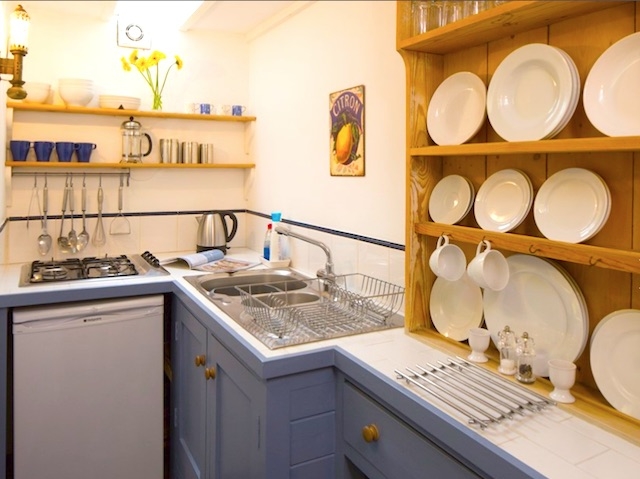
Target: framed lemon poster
346,109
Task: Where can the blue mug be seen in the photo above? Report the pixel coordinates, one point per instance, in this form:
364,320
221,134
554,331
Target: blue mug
64,150
19,149
83,150
43,150
238,110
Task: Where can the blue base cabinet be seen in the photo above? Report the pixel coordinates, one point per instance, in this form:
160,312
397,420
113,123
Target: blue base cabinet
380,445
228,422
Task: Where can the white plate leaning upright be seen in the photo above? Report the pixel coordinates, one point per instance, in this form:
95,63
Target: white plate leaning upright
455,307
451,199
503,201
457,109
572,205
615,354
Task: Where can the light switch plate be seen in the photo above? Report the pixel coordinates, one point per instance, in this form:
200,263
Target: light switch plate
132,34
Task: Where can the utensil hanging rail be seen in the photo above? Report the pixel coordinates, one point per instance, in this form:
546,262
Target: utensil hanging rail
124,174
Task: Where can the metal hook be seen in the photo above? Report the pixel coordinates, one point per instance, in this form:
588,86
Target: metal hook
592,262
45,180
533,250
84,179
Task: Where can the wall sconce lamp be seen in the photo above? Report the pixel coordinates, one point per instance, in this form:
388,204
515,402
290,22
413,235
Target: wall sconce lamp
18,34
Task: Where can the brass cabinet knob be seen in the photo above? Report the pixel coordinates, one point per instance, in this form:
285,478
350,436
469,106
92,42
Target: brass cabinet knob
370,433
200,360
210,373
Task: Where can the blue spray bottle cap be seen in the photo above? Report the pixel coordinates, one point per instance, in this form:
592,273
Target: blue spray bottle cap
276,216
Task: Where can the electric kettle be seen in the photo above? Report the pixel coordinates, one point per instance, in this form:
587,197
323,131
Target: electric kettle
213,231
132,141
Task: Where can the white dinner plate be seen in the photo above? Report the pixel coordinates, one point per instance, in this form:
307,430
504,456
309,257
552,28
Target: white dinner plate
540,300
572,205
457,109
455,307
610,94
615,356
451,199
575,94
503,201
530,93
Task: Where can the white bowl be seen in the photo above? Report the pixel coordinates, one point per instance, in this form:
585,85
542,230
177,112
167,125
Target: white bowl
75,95
115,101
75,81
37,92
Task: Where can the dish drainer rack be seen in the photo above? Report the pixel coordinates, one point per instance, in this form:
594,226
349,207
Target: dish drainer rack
482,397
324,308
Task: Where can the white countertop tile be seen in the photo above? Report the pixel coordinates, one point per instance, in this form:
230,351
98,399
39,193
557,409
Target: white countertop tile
611,464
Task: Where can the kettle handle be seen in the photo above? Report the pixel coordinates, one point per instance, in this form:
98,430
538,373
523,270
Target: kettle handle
234,226
150,144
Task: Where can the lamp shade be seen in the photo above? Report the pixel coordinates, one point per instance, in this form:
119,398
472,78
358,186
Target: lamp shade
19,29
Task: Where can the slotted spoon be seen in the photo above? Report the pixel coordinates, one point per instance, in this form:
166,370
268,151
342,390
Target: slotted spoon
83,237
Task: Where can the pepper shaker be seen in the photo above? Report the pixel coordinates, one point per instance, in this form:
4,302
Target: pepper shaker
507,348
526,353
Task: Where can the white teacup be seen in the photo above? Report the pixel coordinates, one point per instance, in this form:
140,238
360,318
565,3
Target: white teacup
489,269
562,374
447,260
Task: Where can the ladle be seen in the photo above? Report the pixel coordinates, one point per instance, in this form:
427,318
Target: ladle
44,240
63,241
73,236
83,237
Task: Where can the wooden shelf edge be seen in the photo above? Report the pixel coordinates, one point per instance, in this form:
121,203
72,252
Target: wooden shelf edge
495,23
590,405
36,107
608,258
568,145
125,166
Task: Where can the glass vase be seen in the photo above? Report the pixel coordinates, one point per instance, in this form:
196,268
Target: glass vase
157,102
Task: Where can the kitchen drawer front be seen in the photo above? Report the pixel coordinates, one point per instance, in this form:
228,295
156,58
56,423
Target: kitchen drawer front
399,451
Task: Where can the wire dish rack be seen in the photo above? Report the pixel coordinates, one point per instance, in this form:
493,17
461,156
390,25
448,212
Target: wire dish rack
323,308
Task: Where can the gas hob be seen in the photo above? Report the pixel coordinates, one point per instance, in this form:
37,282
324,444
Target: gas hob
91,268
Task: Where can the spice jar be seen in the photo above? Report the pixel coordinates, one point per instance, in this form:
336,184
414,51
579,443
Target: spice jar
526,354
507,348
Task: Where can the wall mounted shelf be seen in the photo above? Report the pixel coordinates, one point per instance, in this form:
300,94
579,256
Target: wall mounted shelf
126,166
37,107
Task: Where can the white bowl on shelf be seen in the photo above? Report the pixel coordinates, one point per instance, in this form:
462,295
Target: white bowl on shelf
37,92
76,94
119,102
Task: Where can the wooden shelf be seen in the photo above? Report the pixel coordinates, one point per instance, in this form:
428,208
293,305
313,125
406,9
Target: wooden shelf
621,260
123,166
36,107
568,145
498,22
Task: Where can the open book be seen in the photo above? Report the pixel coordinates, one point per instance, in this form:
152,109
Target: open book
211,261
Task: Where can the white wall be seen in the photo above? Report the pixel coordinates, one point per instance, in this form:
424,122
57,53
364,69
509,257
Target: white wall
327,47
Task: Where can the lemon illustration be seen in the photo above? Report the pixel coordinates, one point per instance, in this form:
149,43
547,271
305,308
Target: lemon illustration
344,141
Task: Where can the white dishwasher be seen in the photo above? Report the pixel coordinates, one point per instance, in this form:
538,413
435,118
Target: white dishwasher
88,390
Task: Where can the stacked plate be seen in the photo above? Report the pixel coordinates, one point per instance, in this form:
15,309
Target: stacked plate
503,201
457,109
451,199
456,307
533,93
543,300
119,102
572,205
608,97
615,354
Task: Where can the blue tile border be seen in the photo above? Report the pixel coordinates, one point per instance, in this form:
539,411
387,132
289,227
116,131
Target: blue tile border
343,234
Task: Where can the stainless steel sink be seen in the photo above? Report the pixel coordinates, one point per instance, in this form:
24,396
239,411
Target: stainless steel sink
281,307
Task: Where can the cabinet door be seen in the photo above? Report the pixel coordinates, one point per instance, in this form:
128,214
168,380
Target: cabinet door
234,396
188,395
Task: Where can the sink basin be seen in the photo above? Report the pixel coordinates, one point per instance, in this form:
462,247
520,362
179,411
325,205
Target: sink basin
295,298
265,281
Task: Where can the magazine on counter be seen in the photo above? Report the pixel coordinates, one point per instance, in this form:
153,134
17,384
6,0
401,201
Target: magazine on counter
211,261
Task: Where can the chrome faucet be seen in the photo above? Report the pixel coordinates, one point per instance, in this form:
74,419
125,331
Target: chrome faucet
327,272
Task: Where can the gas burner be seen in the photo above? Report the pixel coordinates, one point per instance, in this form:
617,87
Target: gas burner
39,272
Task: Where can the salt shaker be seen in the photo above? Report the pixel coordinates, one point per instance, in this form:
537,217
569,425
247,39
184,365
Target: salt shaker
507,348
526,353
